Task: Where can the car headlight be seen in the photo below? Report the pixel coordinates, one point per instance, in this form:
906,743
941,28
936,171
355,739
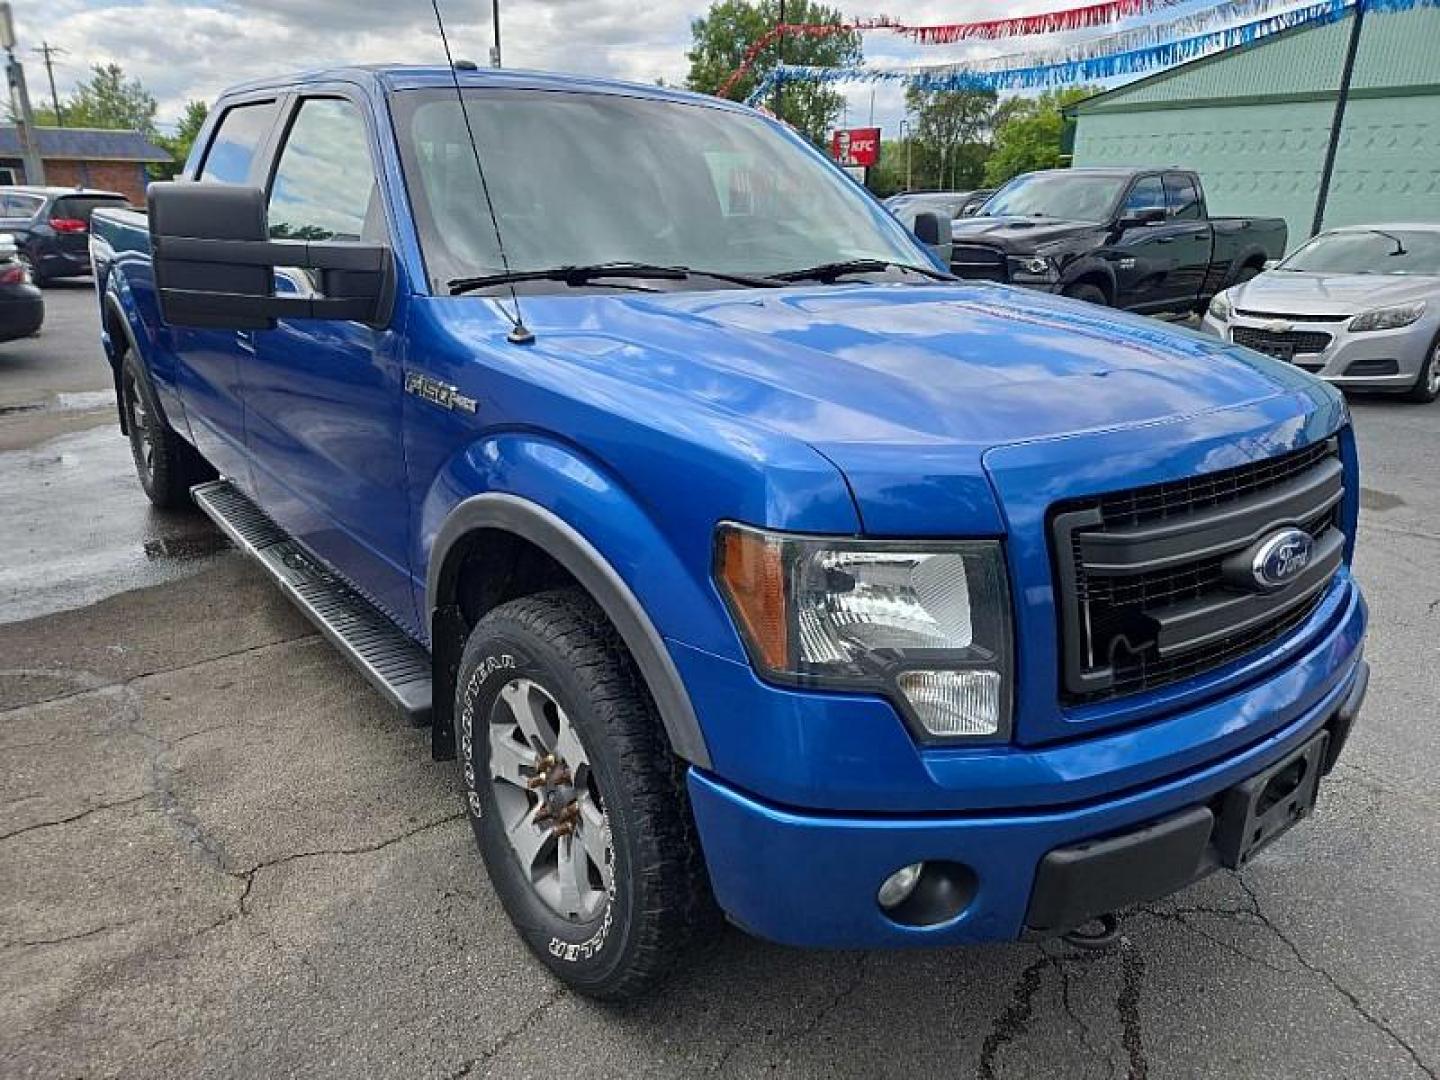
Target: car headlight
1031,266
1390,318
1221,308
927,624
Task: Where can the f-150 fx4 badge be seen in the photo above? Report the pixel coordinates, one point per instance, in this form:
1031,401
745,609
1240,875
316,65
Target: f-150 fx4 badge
438,393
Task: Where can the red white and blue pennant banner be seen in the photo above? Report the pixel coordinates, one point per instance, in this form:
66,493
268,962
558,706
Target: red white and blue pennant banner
1130,52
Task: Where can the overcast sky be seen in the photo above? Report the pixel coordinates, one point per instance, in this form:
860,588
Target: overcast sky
185,50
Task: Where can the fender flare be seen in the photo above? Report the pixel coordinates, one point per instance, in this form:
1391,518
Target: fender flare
1242,257
1088,266
114,308
553,535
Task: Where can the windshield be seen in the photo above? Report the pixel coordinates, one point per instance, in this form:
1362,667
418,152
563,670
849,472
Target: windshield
1057,195
579,179
1370,251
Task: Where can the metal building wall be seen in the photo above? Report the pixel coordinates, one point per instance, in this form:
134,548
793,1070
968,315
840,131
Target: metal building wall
1255,122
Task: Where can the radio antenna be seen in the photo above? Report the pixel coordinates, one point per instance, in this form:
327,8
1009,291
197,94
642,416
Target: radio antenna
519,333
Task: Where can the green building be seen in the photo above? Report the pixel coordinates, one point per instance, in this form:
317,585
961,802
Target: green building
1255,122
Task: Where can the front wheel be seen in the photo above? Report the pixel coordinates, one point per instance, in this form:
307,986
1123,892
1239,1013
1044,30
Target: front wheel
578,805
1091,294
1427,382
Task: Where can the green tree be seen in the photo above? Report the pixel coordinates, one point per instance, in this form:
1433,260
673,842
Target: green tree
108,99
721,38
952,134
179,144
1028,134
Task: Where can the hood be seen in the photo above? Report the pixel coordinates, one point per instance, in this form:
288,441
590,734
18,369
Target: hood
1284,292
1020,235
907,386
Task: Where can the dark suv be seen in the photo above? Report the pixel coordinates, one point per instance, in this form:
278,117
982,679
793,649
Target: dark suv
51,226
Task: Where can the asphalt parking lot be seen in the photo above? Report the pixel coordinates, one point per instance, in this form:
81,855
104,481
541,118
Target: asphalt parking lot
221,854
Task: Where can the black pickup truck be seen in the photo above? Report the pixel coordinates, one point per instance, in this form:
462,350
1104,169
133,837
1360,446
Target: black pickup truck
1139,239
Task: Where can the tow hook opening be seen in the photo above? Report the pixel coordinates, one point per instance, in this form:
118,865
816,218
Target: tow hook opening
1101,932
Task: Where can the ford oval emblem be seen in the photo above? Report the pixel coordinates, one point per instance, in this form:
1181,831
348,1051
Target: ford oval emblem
1281,557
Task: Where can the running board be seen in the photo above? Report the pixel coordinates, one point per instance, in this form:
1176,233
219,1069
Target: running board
393,662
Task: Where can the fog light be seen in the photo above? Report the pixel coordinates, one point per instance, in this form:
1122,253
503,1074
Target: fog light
896,889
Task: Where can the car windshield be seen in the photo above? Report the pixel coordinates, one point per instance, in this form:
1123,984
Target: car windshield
1370,251
1071,197
582,179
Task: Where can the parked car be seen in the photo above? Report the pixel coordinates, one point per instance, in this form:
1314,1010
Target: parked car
51,226
744,557
22,307
1360,307
1138,239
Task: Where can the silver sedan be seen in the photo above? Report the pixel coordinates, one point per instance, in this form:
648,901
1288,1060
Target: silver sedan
1358,306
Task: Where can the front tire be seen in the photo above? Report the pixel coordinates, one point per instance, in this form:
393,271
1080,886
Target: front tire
166,465
1091,294
577,803
1427,382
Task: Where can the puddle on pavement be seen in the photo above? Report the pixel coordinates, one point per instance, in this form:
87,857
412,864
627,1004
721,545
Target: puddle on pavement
77,528
84,401
1373,499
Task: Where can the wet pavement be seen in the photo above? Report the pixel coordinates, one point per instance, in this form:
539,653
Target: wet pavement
76,526
222,855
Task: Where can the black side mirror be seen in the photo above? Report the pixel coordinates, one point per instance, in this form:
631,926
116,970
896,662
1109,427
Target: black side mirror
1150,215
215,263
930,228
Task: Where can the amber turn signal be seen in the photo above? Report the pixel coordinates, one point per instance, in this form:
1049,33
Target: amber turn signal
752,573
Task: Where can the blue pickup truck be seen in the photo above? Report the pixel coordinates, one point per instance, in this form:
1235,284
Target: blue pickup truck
747,561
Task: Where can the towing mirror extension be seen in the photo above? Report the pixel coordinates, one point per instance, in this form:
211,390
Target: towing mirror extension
215,263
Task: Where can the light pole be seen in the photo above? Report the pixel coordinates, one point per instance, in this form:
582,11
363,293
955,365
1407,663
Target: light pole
907,134
495,21
1337,122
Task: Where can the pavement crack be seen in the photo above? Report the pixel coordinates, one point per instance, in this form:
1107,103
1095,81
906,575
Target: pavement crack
30,943
510,1035
1013,1021
74,817
1127,1007
362,849
1378,1023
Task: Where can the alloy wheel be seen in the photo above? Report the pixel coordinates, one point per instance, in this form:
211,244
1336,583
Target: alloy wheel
142,435
1432,372
549,802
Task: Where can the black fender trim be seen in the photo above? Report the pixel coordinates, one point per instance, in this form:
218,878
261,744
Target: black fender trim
1088,267
117,357
560,540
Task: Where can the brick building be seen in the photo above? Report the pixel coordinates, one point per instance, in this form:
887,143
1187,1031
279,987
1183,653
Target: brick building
85,157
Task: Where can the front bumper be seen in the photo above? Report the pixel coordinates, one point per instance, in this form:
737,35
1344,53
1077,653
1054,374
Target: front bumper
1382,360
809,878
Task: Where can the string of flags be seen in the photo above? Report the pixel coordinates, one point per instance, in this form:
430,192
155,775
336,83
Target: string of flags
1232,24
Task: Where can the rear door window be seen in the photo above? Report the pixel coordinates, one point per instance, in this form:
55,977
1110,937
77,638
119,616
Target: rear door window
235,142
20,206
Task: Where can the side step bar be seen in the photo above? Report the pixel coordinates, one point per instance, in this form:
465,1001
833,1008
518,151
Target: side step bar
393,662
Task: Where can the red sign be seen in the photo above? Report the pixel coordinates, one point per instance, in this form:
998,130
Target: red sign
857,146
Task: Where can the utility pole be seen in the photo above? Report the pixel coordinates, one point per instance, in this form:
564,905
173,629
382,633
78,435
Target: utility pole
495,21
20,101
780,53
1327,171
49,52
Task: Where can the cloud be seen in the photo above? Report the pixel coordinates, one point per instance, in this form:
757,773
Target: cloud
183,50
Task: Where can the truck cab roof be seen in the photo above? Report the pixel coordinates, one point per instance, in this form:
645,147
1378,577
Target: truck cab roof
385,78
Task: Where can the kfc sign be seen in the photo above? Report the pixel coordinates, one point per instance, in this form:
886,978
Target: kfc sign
858,146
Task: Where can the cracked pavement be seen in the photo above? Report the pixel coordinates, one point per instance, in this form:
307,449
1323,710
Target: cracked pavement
222,856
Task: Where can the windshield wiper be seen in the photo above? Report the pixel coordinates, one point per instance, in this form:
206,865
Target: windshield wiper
577,276
828,272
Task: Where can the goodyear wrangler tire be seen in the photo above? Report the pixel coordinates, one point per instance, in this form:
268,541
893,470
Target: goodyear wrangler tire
577,803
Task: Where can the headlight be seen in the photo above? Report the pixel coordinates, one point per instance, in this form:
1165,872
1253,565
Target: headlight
928,624
1390,318
1221,308
1031,266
